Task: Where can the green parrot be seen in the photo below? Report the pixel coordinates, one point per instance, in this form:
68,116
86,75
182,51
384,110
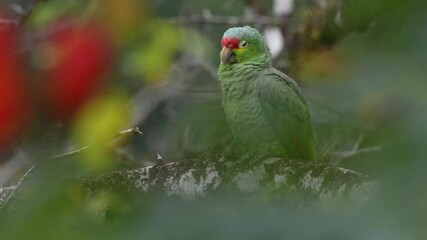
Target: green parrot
264,108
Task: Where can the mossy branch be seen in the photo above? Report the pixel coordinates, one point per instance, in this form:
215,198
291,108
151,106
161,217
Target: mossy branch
207,178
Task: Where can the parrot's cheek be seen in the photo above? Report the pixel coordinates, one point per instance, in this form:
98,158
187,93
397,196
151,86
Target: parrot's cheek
228,56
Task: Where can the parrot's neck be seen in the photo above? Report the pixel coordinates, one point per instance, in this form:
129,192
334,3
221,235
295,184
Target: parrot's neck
239,71
239,80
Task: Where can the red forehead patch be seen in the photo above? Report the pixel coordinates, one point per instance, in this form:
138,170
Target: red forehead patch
230,42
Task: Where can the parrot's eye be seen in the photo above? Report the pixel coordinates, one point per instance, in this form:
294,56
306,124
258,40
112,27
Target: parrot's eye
243,44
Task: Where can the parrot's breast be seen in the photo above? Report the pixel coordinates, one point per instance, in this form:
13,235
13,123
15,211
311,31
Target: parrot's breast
247,123
244,113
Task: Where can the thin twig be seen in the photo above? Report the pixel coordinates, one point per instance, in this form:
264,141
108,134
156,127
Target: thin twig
328,147
354,152
70,153
16,187
127,132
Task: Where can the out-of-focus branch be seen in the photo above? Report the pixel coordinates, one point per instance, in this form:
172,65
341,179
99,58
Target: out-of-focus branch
8,22
7,193
227,20
21,14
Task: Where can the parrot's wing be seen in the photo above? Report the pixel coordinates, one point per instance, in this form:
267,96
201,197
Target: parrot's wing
287,114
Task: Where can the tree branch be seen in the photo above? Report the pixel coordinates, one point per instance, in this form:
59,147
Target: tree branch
207,177
227,20
195,179
283,179
21,12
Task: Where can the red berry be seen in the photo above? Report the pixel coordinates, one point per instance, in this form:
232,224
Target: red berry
13,98
81,56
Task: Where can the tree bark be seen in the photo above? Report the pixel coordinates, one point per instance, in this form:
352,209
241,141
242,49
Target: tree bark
271,178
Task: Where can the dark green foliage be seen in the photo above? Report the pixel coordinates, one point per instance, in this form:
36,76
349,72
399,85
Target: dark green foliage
376,98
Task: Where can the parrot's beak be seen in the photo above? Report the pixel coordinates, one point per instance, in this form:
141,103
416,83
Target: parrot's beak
228,56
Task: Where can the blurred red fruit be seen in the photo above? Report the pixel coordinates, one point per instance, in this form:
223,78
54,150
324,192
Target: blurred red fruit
13,98
80,58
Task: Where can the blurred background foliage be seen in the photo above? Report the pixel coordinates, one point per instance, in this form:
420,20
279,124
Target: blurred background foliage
77,72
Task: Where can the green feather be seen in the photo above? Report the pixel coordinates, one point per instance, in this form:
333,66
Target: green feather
265,109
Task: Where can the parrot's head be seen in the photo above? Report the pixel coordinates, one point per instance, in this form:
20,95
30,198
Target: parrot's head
242,45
